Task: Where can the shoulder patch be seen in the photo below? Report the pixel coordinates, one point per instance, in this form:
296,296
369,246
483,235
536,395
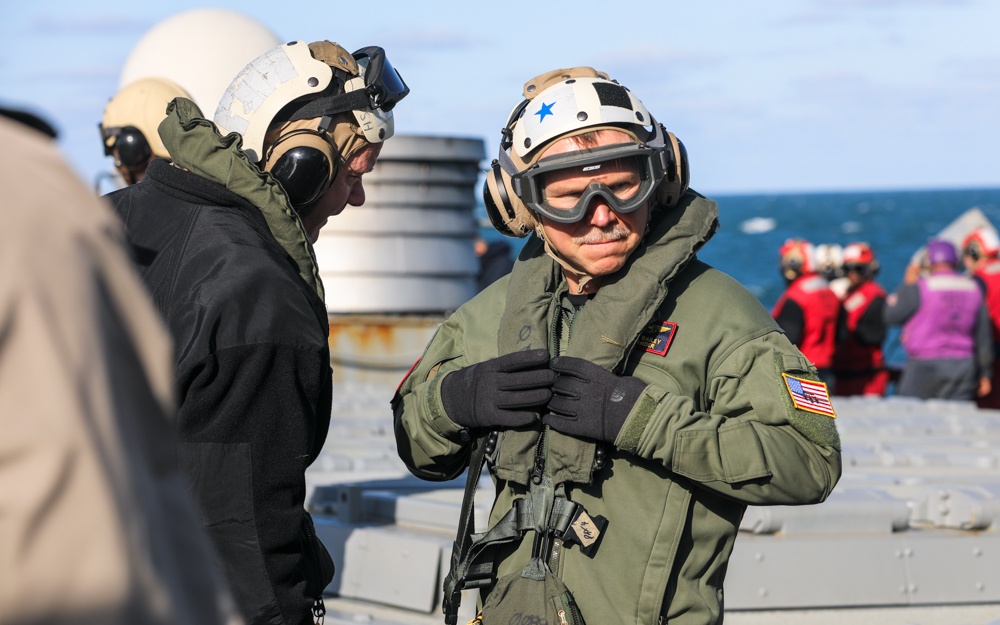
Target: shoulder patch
810,411
656,337
809,395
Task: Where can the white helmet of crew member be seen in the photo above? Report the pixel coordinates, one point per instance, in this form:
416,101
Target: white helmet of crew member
565,103
830,260
571,102
303,110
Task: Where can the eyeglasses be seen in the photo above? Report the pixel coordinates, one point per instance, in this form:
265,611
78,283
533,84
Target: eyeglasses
859,267
127,144
641,169
383,84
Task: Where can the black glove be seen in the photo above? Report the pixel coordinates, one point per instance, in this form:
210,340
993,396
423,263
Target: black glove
504,392
588,401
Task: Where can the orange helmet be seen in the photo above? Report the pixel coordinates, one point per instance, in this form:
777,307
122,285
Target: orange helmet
797,257
981,243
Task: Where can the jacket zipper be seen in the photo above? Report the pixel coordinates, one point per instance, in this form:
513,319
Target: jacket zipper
539,468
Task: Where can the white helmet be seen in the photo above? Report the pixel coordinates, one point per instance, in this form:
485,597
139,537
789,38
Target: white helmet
565,103
575,104
369,86
302,110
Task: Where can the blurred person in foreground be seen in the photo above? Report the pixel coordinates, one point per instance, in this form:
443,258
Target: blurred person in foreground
980,252
223,234
808,309
129,125
629,400
858,362
947,334
96,525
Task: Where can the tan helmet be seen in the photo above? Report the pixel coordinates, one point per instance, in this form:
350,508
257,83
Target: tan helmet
141,104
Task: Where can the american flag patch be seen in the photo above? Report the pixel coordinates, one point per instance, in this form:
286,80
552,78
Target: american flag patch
809,395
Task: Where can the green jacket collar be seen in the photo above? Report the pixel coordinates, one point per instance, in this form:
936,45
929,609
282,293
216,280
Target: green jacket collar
195,144
606,327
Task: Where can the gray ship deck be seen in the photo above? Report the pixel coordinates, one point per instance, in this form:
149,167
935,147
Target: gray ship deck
911,535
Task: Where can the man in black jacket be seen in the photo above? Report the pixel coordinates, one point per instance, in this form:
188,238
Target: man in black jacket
223,234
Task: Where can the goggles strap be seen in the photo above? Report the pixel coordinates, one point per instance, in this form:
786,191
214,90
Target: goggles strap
507,164
356,100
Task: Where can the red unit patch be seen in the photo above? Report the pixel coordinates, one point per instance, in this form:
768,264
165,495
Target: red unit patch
656,337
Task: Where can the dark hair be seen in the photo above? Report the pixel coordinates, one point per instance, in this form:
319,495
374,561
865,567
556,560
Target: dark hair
29,119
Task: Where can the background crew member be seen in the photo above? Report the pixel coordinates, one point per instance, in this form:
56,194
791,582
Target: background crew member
858,362
807,310
980,251
946,332
128,127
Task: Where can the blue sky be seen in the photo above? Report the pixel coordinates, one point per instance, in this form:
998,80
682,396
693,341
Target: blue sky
775,96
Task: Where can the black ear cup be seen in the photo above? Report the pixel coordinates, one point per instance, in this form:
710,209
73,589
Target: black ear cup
676,175
496,198
304,162
131,147
302,172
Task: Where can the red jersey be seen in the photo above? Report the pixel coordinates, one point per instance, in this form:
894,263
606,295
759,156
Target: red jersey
813,326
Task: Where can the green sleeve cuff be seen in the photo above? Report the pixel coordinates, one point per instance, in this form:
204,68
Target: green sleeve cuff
439,421
630,437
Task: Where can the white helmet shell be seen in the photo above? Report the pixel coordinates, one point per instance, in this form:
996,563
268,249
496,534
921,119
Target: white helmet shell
264,87
572,105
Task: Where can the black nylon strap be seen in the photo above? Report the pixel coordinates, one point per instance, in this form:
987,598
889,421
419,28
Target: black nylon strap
331,105
463,538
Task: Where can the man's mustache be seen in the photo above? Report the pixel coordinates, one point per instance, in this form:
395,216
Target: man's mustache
616,232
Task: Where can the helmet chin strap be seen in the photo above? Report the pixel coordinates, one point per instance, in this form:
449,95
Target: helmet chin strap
582,279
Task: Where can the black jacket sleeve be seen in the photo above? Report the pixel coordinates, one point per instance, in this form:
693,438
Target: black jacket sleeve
871,328
984,343
792,321
248,417
904,303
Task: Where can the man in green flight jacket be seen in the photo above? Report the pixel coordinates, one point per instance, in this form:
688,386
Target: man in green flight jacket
631,400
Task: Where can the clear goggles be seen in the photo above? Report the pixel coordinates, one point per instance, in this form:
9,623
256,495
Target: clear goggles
623,175
383,84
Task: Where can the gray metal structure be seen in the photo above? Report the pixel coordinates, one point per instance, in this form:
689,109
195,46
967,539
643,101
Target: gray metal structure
910,536
408,249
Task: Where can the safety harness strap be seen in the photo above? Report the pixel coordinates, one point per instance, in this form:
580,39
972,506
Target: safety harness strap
545,510
463,539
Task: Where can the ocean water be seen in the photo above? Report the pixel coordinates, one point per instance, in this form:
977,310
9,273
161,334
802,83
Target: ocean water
894,223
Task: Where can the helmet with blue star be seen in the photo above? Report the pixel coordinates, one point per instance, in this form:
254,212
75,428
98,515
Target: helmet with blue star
565,103
575,105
